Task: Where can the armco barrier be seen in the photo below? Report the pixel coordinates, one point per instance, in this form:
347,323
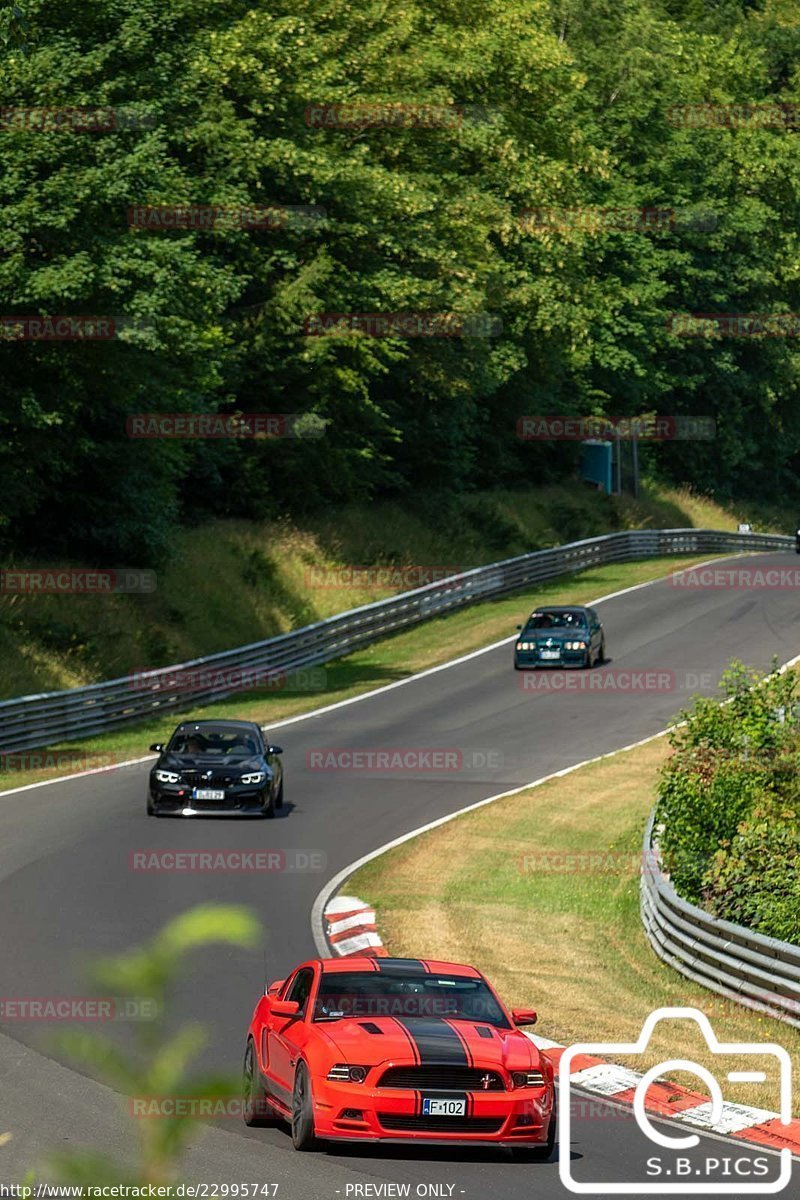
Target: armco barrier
32,721
759,972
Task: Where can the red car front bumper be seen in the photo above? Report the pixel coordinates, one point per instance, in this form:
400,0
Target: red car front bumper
349,1112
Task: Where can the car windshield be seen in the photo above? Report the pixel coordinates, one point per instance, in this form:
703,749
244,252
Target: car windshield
214,740
557,619
373,994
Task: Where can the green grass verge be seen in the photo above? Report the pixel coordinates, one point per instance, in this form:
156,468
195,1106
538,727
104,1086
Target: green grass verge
427,645
541,891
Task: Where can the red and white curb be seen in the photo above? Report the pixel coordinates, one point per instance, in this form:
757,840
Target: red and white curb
618,1083
350,929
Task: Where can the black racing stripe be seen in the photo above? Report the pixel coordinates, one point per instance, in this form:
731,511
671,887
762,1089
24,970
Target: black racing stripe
412,1045
401,966
464,1043
435,1040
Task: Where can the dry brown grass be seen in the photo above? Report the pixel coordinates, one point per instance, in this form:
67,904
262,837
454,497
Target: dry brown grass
568,941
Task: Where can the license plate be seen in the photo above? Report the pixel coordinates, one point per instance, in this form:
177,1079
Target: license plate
207,794
443,1108
549,654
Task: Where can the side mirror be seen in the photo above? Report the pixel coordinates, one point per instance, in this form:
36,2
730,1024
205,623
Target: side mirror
274,749
274,987
157,747
284,1008
524,1016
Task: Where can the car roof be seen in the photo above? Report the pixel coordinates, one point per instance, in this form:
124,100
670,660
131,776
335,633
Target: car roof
226,724
547,608
395,966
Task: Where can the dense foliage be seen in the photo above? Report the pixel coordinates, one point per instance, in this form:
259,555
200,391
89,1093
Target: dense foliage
729,804
560,103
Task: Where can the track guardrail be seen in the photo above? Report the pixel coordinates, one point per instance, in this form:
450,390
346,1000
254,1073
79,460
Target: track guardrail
758,972
52,717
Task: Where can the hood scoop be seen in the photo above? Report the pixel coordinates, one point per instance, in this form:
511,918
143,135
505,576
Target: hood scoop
370,1027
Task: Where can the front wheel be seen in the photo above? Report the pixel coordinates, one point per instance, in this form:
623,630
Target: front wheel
255,1109
279,796
303,1136
268,809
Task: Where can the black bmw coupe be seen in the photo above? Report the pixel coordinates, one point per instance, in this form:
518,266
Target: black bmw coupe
216,768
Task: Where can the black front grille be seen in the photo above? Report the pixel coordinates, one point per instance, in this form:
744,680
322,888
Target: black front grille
393,1122
218,779
445,1078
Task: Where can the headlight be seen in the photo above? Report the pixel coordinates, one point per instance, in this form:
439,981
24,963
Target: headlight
168,777
343,1073
256,777
525,645
531,1079
575,645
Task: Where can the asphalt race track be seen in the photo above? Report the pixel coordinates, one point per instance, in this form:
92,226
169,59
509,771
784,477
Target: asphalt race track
67,892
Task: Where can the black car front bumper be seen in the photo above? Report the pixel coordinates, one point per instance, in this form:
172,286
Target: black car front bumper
240,801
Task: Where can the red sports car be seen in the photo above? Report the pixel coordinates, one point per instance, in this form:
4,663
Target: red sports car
397,1050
